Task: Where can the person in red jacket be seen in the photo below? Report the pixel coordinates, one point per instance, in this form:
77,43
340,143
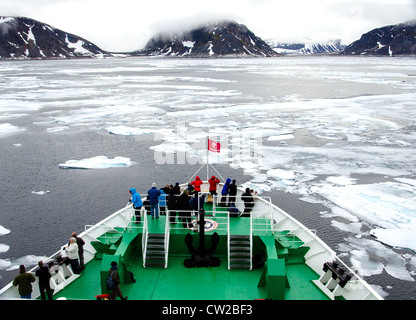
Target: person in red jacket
213,182
197,185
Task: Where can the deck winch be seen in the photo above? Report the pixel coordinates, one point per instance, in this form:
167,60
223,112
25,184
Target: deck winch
337,273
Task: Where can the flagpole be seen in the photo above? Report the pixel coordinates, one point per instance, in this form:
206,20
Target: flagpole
207,158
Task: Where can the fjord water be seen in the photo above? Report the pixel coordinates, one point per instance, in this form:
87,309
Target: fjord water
330,139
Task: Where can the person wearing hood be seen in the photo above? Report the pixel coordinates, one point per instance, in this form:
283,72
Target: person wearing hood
248,200
176,189
116,292
197,185
224,192
162,202
137,202
213,183
232,190
154,201
185,209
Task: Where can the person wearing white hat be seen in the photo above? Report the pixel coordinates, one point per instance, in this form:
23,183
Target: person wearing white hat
154,201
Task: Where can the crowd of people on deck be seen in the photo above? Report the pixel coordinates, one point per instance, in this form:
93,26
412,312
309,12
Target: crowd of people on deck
183,202
73,254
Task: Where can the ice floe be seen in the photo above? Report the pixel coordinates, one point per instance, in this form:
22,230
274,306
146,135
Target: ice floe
28,261
4,231
99,162
128,131
370,257
7,128
40,193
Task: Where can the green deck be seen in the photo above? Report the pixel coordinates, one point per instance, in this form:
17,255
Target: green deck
287,270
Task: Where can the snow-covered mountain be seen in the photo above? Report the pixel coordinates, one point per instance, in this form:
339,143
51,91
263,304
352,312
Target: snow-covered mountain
307,48
399,39
25,38
225,38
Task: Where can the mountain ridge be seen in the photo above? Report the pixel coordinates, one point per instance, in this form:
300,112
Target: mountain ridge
22,37
392,40
217,39
329,47
26,38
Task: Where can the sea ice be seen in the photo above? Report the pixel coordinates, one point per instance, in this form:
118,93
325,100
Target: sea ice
281,174
128,131
57,129
4,248
400,238
41,193
371,257
28,261
99,162
7,128
341,180
387,205
4,231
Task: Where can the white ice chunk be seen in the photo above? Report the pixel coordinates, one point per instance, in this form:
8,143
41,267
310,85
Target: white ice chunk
400,238
389,205
7,128
4,248
341,180
28,261
128,131
281,174
99,162
281,137
350,227
4,231
4,264
370,257
41,193
412,182
57,129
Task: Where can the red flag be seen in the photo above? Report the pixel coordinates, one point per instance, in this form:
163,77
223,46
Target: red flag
213,146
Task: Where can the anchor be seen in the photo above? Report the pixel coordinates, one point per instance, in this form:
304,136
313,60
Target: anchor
202,257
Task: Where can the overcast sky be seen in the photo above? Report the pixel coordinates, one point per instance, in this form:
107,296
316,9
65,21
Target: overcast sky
126,25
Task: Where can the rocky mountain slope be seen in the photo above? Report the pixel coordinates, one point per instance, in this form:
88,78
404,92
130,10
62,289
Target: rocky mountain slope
26,38
399,39
331,47
226,38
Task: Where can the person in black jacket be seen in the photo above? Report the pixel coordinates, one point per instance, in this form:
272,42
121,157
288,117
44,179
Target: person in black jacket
172,205
43,274
185,209
232,192
115,292
248,200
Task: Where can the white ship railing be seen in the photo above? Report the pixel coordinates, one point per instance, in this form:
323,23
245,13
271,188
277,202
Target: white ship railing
167,237
144,236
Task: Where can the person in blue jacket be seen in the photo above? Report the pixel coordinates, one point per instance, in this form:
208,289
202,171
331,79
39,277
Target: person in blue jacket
224,192
137,203
162,202
154,201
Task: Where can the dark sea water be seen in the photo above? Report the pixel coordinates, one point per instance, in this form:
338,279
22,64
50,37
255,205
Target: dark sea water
48,93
